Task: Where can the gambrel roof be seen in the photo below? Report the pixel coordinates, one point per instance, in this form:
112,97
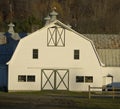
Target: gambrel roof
108,48
57,23
110,57
105,41
107,45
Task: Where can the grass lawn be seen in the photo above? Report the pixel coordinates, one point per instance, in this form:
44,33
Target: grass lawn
98,103
56,100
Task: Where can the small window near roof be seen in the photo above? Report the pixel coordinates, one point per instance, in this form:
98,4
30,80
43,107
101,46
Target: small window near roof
35,53
76,54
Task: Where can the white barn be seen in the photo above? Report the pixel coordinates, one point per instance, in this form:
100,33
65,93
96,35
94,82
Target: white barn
56,58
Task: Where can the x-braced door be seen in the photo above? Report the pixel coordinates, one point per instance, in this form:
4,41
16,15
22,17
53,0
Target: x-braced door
55,79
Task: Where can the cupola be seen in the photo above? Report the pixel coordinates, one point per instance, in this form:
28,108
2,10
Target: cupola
47,20
53,15
11,28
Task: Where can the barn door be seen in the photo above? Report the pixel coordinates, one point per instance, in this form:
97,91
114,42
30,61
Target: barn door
47,79
62,79
55,79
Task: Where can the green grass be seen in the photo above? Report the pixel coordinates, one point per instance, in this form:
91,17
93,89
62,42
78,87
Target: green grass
54,93
98,103
66,98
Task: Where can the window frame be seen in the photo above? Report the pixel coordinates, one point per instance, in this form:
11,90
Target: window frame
76,54
79,79
89,79
35,53
55,36
29,79
21,78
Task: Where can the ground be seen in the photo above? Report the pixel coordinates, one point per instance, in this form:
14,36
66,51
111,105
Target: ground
55,100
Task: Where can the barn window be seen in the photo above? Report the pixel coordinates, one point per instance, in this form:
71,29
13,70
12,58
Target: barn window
76,54
79,78
31,78
56,36
21,78
35,53
89,79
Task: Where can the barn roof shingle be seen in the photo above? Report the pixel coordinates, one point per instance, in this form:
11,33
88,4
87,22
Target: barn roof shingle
105,41
110,57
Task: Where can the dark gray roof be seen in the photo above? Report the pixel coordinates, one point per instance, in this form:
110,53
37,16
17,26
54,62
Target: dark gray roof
105,41
108,48
110,57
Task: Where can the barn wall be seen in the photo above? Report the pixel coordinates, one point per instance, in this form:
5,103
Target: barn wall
53,58
14,85
83,86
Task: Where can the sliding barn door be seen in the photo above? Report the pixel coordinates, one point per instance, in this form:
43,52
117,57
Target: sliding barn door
55,79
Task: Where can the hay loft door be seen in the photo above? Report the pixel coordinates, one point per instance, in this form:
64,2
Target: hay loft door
54,79
56,36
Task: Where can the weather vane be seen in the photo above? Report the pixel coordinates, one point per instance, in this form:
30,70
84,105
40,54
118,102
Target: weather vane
54,8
